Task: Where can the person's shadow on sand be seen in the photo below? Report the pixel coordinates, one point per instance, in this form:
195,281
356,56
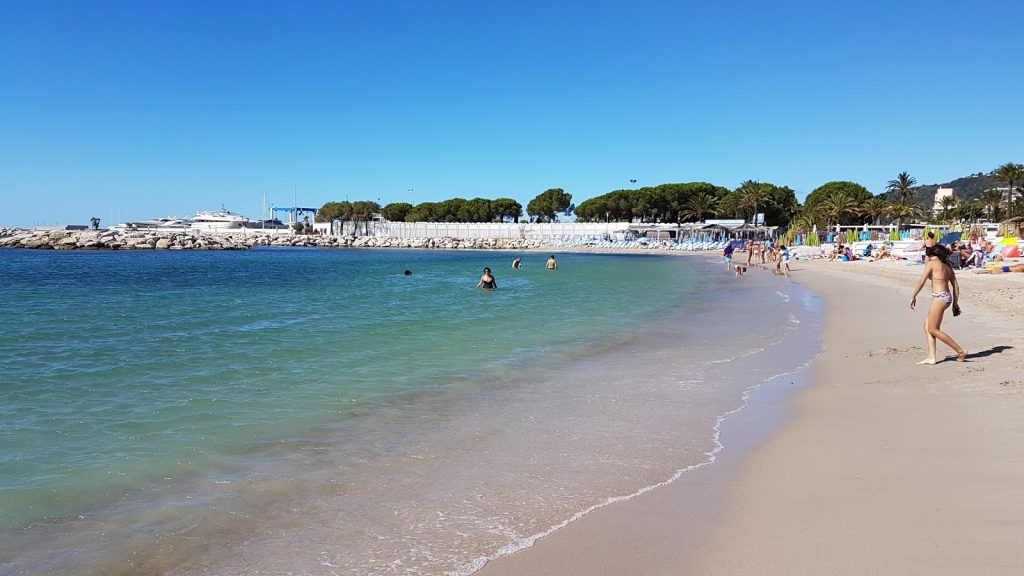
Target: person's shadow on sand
989,352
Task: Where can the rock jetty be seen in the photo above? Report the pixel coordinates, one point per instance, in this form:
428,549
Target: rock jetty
159,240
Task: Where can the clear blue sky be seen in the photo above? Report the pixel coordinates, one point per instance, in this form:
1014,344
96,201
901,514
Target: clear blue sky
137,109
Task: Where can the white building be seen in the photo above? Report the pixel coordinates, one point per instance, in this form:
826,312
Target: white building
939,195
1004,189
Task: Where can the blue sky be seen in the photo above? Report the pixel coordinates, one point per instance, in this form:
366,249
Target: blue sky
137,109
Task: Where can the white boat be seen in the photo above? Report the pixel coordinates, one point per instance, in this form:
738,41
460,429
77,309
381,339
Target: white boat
169,224
218,220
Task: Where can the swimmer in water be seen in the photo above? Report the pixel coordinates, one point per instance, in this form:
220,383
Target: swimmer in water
487,281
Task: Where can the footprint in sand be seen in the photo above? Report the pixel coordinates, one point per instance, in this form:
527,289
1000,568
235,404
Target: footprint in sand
890,351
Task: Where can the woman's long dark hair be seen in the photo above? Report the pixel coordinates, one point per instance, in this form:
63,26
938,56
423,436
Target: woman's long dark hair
939,251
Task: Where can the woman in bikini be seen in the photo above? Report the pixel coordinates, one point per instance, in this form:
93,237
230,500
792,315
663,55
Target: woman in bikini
945,292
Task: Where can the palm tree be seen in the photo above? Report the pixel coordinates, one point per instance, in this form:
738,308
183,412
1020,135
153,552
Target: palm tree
751,196
806,220
903,187
698,207
948,203
1010,173
970,211
837,205
874,208
901,211
991,199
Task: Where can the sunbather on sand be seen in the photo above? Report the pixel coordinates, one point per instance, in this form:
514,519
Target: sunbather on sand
1001,269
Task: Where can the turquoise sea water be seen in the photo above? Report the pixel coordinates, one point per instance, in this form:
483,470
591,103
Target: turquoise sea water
317,411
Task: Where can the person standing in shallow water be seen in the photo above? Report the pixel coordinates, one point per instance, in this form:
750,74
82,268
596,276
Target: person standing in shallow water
487,281
552,265
945,293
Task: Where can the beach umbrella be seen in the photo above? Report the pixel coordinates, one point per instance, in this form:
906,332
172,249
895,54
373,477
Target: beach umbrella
950,238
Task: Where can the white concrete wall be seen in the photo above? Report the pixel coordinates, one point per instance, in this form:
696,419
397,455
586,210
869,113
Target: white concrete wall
553,230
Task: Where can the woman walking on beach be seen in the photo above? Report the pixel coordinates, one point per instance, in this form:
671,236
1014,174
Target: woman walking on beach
945,292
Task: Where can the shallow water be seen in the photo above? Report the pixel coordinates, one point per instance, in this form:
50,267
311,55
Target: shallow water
318,412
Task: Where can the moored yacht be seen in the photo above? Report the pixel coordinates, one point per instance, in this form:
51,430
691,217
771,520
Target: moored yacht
218,220
169,224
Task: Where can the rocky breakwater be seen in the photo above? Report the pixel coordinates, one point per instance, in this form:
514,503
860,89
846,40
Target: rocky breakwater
116,240
149,240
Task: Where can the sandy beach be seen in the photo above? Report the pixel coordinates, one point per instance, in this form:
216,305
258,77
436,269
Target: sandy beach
879,466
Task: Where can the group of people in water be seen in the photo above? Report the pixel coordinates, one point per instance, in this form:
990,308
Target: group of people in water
487,281
937,270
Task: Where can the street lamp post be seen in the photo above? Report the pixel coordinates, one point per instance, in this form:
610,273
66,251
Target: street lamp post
632,182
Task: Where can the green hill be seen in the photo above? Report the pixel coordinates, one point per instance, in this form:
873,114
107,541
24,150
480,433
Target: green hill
965,189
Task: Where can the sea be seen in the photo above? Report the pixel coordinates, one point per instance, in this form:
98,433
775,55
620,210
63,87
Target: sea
321,412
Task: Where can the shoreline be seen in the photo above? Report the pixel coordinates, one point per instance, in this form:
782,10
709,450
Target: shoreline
735,432
800,489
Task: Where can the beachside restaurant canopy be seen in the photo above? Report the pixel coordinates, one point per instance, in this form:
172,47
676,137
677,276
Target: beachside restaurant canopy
699,229
752,231
1013,226
653,231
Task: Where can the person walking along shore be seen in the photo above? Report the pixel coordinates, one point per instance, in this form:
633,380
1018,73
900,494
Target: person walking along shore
945,292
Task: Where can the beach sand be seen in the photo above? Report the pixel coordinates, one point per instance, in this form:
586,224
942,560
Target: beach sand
880,466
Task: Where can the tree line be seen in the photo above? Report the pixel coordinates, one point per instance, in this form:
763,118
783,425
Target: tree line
832,203
544,208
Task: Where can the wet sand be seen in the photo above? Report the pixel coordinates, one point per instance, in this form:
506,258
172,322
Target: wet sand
880,466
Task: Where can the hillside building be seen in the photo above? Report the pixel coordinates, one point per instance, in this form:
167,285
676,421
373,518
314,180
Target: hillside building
1004,189
939,195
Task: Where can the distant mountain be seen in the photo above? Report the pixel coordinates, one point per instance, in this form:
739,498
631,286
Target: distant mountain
965,189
